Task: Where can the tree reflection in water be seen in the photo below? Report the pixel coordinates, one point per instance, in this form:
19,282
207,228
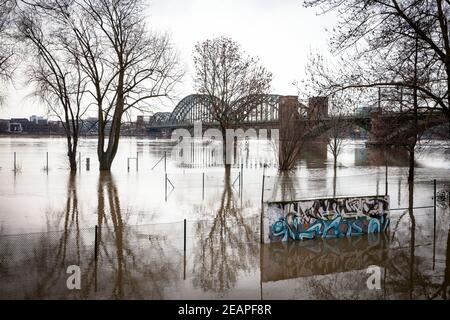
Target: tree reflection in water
226,247
408,272
410,275
129,266
123,251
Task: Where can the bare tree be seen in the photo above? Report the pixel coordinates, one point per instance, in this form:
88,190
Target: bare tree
293,134
127,66
58,78
375,36
233,83
339,123
399,47
6,44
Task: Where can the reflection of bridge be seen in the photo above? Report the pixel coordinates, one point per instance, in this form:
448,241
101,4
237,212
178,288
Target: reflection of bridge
273,110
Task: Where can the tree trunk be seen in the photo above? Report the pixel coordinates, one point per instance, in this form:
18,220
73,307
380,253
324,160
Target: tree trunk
104,162
224,150
411,153
334,178
106,158
72,150
413,236
73,161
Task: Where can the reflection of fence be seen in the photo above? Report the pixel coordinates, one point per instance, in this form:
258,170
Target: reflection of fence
193,259
116,260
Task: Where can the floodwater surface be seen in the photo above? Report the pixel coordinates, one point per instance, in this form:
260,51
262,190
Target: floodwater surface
144,251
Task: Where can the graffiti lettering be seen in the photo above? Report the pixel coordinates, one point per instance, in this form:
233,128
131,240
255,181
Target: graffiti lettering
326,218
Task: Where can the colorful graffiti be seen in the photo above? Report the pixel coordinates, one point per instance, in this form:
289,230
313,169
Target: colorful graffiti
326,218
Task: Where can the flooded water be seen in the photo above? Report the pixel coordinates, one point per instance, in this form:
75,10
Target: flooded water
48,219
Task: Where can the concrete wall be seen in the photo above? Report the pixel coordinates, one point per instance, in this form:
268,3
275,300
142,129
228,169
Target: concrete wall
327,218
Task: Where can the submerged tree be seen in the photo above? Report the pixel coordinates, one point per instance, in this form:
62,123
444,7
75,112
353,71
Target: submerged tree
55,73
233,83
126,65
399,47
373,39
293,135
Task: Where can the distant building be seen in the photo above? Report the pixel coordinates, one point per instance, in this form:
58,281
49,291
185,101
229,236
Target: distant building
38,120
4,125
19,125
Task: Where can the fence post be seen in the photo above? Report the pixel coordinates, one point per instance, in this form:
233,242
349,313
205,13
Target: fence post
165,188
95,243
47,163
185,235
261,232
95,256
165,161
184,265
386,188
434,222
137,161
203,186
242,180
79,162
88,164
15,167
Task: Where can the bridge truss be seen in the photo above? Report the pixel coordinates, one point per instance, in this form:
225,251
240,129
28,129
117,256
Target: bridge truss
198,108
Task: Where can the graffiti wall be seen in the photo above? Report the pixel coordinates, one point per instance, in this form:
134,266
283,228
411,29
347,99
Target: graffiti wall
327,218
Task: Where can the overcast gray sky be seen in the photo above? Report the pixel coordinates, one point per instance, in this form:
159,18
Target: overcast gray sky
280,33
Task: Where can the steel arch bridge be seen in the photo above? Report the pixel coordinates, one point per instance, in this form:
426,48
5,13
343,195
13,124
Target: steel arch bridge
197,108
159,118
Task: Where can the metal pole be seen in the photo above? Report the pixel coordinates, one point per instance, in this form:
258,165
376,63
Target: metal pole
386,188
184,265
165,161
95,243
165,181
47,162
434,222
240,183
184,235
128,164
137,161
203,186
15,168
95,256
262,208
241,188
